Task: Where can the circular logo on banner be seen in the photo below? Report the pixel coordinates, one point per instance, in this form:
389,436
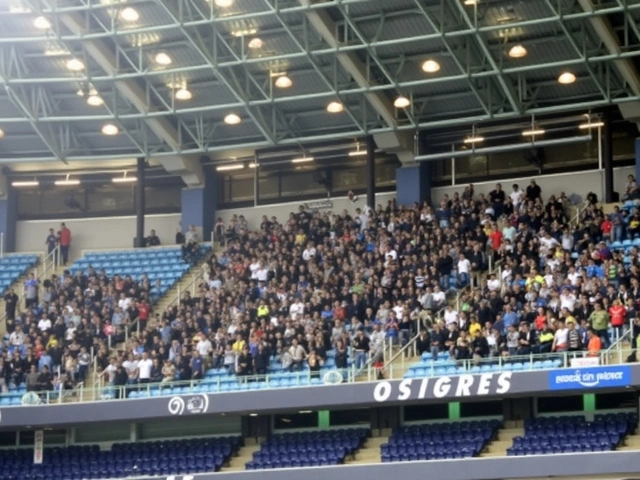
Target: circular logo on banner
193,404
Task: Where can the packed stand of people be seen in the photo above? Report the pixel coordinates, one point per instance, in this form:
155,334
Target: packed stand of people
51,339
559,288
315,291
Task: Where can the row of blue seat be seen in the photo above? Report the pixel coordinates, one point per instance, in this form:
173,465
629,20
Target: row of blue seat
421,369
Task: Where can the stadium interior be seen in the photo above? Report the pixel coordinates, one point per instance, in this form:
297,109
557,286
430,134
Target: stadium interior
337,238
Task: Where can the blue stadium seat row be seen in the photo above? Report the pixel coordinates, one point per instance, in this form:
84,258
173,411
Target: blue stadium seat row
13,266
160,458
439,441
549,435
166,265
448,367
305,449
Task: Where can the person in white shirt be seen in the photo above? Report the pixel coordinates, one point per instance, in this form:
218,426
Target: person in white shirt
44,325
516,196
560,338
450,315
144,368
567,300
110,371
547,244
296,310
253,268
439,297
262,274
493,283
16,339
464,269
309,252
204,346
131,367
573,276
124,303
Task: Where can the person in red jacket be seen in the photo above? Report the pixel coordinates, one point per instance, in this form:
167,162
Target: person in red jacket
64,238
618,315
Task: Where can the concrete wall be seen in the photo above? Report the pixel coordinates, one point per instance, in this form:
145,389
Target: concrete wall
556,466
95,233
577,183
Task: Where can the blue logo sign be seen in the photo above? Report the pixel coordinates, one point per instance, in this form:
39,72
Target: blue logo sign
594,377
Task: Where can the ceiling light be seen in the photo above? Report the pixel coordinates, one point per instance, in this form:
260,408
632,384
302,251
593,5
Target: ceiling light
255,43
19,9
253,414
335,107
304,159
283,82
358,152
67,182
590,124
223,3
183,94
75,65
430,66
227,168
1,133
254,165
566,78
401,102
25,183
42,23
305,411
124,179
95,100
129,14
473,139
532,132
517,51
110,129
471,2
244,33
162,58
232,119
54,50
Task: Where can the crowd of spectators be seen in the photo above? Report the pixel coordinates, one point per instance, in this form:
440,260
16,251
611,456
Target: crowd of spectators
53,337
290,291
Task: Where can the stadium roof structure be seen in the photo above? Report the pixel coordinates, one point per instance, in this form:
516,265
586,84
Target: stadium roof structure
83,80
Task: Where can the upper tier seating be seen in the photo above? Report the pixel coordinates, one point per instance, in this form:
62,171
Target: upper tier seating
567,434
162,458
307,449
436,441
13,267
164,264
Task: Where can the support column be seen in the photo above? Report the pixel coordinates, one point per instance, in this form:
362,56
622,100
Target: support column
413,184
371,173
8,219
637,157
140,202
607,157
199,206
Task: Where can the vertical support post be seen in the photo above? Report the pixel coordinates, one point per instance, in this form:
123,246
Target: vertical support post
140,202
256,179
371,173
607,157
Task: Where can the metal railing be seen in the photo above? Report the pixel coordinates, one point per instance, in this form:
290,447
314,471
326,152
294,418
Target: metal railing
230,383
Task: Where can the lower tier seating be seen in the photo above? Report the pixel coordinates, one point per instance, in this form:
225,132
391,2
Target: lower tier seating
160,458
307,449
550,435
436,441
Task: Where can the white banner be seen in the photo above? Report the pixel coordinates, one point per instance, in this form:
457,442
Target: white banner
38,447
585,362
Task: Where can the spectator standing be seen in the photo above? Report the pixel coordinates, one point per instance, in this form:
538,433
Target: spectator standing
31,291
10,304
64,238
51,241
